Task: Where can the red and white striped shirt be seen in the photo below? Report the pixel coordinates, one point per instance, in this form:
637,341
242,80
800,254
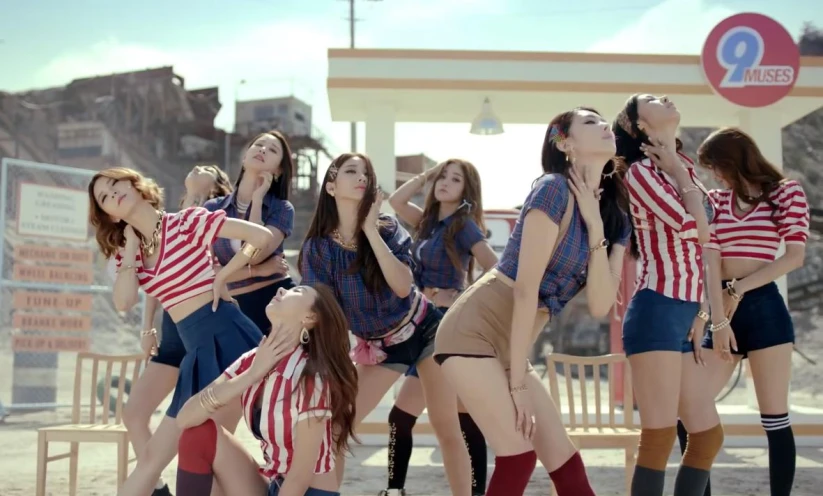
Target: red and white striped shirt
287,399
757,234
670,260
184,265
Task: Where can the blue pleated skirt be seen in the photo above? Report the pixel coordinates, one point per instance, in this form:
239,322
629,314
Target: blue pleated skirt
213,341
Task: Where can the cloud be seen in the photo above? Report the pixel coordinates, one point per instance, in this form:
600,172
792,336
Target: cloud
674,26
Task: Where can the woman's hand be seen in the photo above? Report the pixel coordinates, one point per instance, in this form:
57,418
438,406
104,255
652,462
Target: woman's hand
370,222
729,305
696,337
148,342
263,188
220,292
271,350
723,342
663,157
587,198
524,413
272,266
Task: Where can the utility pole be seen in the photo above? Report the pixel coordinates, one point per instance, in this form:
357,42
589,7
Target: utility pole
352,20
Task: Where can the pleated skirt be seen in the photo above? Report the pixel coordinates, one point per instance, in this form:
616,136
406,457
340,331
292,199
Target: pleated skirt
213,341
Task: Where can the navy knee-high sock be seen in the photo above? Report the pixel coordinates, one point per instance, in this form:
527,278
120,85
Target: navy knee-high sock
782,453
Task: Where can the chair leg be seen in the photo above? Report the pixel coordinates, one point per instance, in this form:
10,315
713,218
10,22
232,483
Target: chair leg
122,461
42,455
631,460
74,455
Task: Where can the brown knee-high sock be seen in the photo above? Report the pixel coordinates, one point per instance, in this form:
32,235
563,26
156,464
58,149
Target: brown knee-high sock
683,437
195,455
696,464
652,455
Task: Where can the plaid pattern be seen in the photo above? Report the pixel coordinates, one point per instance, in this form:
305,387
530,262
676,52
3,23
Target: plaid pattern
370,315
277,213
566,272
432,267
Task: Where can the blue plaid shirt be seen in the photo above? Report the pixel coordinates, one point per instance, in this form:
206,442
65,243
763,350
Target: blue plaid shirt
432,266
277,213
369,314
566,272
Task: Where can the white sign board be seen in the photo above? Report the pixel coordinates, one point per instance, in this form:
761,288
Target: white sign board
53,212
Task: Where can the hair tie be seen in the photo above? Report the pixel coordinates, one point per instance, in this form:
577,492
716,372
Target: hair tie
556,135
625,123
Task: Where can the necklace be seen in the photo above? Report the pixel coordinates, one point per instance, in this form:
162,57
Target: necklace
338,238
148,246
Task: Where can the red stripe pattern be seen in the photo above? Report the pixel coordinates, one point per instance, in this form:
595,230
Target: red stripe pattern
670,252
757,234
287,399
184,265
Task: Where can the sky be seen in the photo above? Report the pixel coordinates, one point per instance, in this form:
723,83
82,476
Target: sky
279,47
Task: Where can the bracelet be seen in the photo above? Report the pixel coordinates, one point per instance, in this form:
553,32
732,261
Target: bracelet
719,327
603,243
149,332
250,251
208,400
702,315
732,291
519,389
125,267
688,189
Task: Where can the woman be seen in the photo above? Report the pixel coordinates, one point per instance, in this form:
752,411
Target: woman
449,236
365,257
758,208
160,375
261,197
297,393
167,255
670,213
558,245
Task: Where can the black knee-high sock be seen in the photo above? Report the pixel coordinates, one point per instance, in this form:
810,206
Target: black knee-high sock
195,455
400,446
782,453
683,437
476,443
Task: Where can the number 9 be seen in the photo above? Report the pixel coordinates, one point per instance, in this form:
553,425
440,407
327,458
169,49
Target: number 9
739,49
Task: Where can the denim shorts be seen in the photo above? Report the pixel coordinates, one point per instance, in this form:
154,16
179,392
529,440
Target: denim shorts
171,350
654,322
760,321
420,345
412,372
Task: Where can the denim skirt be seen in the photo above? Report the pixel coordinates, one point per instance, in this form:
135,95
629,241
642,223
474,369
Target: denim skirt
213,341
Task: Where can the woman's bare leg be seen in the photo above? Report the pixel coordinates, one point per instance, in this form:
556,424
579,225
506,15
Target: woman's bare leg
373,381
403,416
656,384
162,447
154,384
772,371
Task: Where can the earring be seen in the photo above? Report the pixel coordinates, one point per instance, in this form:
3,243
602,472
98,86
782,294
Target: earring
304,336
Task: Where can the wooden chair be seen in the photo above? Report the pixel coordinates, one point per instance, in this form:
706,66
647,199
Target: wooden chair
596,432
91,428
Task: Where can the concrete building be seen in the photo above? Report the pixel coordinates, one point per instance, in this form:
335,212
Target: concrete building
290,115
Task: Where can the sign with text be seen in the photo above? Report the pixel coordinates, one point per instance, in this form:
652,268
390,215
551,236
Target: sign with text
54,275
53,212
52,255
41,300
750,60
43,344
51,323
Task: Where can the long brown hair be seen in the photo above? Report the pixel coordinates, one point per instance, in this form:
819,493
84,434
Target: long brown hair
472,196
734,156
221,187
326,219
281,187
328,350
614,199
109,234
628,137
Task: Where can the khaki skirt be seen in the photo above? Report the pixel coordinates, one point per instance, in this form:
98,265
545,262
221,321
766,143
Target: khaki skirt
479,322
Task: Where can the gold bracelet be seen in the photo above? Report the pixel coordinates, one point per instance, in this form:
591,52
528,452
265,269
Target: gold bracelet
703,315
212,398
125,267
250,251
203,403
519,389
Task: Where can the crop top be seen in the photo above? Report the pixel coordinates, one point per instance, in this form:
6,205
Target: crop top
184,266
757,234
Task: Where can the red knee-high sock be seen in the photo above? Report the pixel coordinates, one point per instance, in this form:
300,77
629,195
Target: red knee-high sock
511,474
571,479
195,455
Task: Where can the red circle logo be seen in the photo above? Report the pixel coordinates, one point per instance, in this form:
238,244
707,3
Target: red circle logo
750,60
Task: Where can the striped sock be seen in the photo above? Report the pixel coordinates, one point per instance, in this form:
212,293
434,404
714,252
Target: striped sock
782,452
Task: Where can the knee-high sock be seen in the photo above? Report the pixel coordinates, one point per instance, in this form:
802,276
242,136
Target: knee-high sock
476,443
195,455
782,453
571,479
511,474
682,436
696,464
400,446
652,455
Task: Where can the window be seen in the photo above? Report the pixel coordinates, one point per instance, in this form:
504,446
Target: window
263,112
298,116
